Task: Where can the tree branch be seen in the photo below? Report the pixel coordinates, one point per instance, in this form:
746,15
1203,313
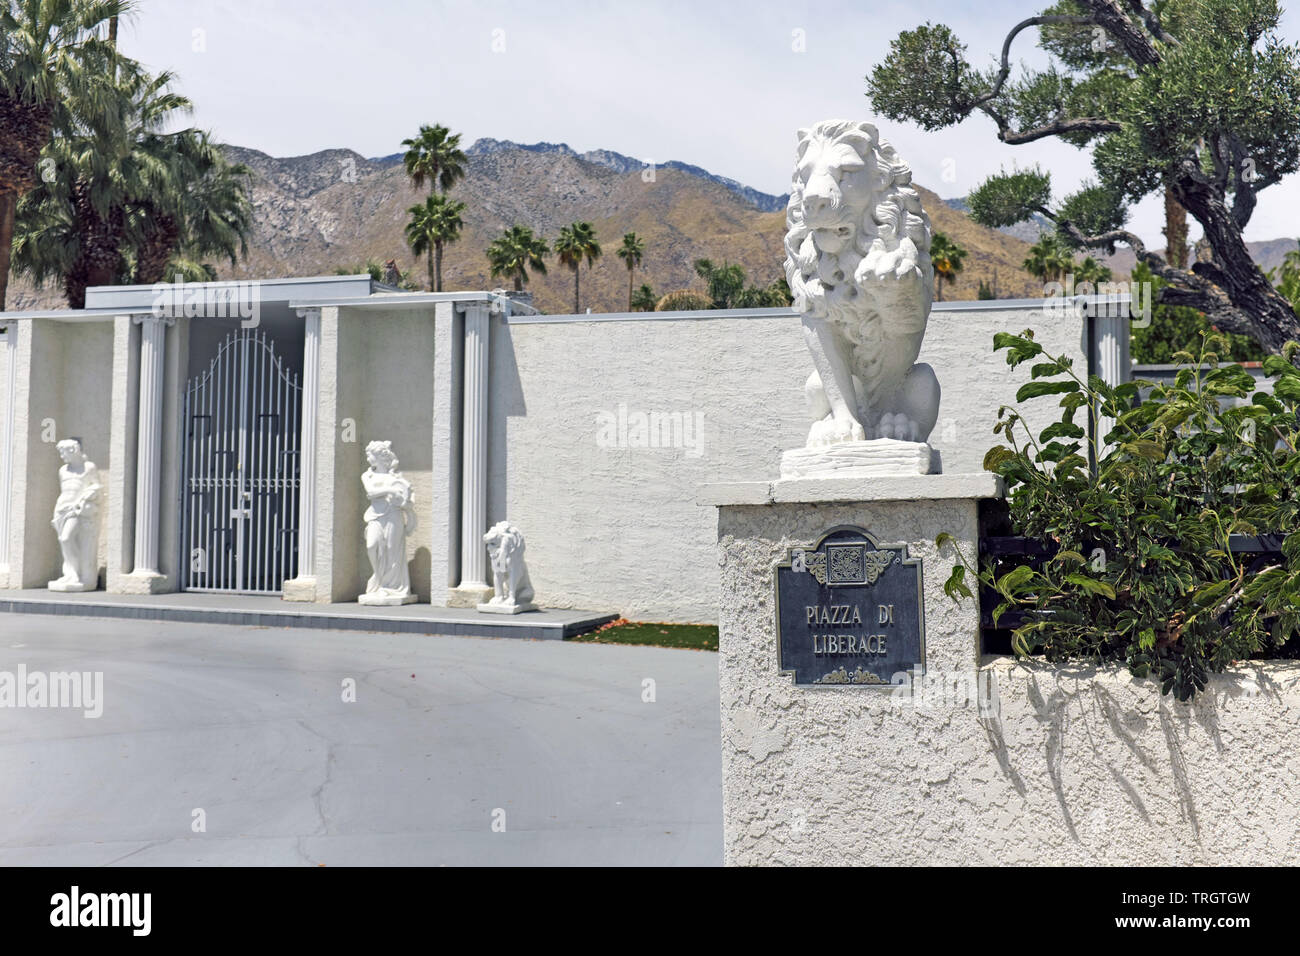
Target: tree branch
1058,128
1005,71
1152,22
1017,137
1197,289
1138,46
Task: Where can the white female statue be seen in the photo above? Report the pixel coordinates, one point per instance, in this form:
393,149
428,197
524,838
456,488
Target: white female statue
389,519
76,519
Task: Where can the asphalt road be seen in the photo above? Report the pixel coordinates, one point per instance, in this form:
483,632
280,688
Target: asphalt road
456,750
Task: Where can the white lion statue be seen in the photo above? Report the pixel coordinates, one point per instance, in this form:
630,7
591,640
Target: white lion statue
513,590
858,262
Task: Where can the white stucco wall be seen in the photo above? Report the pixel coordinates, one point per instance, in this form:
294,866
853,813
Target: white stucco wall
1070,765
613,527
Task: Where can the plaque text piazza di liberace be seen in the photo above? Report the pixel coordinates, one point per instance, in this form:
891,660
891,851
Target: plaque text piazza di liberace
849,611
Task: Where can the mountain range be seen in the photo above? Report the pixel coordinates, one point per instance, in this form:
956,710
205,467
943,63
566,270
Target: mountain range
335,209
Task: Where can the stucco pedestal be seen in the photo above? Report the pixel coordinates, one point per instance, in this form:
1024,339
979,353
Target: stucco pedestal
991,761
299,589
469,595
143,582
813,774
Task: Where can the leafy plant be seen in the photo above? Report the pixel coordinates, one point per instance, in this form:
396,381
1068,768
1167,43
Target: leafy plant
1143,571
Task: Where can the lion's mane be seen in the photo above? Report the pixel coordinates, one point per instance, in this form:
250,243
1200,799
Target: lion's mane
858,289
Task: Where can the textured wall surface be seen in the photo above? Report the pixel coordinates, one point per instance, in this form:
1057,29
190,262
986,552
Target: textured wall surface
1071,765
613,526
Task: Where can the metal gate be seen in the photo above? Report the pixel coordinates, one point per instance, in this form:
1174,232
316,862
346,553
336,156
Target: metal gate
240,517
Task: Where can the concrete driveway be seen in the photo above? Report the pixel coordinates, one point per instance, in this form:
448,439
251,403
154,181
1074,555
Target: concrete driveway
456,750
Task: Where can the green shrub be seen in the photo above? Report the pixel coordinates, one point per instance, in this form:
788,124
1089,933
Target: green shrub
1178,474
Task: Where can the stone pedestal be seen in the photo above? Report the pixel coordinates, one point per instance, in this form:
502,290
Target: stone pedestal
78,587
469,595
143,582
506,608
387,600
861,459
299,589
837,774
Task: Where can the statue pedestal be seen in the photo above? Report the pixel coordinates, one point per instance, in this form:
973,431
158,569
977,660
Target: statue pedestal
822,764
386,600
61,586
490,608
861,459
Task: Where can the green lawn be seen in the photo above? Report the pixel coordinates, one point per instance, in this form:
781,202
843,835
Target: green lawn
697,637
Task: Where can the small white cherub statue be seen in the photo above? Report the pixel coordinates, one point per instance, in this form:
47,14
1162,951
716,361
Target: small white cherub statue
513,591
389,519
76,519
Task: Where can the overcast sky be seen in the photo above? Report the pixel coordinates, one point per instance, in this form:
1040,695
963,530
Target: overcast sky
723,85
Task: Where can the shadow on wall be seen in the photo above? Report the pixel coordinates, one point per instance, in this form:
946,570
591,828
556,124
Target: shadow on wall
506,402
1167,760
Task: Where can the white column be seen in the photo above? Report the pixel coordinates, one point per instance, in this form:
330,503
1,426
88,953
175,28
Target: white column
1114,363
473,553
148,470
9,348
303,587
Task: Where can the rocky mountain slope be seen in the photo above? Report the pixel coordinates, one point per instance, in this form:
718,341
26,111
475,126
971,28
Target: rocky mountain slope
336,209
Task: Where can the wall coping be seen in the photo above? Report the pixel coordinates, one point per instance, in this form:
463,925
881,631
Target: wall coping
816,490
1082,306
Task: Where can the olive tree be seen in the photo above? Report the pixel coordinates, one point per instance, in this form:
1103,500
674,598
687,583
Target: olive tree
1199,99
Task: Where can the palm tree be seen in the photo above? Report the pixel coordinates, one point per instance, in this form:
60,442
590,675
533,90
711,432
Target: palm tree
577,242
128,198
726,283
515,252
434,154
198,207
51,51
434,222
1092,271
643,300
947,258
1048,259
630,252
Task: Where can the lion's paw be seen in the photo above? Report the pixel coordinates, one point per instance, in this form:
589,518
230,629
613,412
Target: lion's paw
834,431
899,427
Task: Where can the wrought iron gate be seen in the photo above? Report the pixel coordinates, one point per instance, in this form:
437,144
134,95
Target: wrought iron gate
241,483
